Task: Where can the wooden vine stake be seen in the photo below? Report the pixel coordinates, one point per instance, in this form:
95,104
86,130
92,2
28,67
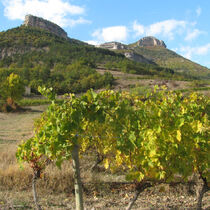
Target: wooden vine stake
77,179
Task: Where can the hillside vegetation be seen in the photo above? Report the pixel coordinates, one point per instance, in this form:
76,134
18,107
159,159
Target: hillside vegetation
169,59
42,58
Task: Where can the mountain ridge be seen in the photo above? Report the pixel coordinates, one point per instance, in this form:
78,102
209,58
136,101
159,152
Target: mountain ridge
146,51
155,51
43,58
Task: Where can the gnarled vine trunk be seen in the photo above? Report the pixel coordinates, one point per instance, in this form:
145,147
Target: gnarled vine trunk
203,189
140,187
36,175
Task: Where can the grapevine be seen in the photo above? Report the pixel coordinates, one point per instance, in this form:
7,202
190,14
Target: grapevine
150,139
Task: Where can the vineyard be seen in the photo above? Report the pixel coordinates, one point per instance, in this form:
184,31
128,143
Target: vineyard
162,137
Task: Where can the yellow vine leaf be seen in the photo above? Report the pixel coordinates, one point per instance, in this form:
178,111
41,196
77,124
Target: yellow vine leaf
119,159
152,153
178,135
199,126
106,163
182,110
159,113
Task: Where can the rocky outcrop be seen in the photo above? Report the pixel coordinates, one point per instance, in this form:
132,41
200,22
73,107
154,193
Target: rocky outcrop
138,58
129,54
113,46
11,51
150,41
38,22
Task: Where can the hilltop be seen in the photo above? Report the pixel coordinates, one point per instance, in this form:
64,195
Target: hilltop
154,51
170,59
37,22
150,41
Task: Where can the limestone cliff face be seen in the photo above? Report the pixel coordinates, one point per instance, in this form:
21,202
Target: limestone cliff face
38,22
129,54
113,46
11,51
138,58
150,41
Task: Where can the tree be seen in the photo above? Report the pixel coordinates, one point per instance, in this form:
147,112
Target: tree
11,91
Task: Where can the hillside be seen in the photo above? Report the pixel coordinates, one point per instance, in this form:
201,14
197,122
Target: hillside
43,58
41,53
169,59
44,46
151,50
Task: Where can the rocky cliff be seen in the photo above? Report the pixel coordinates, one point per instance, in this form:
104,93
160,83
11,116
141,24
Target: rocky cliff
138,58
38,22
113,46
150,41
11,51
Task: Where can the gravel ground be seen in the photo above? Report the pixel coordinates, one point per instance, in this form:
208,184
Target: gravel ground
112,197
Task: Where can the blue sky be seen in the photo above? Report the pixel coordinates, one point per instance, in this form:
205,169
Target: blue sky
182,24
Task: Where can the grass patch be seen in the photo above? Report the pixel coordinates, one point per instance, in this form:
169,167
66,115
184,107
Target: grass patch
7,141
194,89
141,90
13,177
35,102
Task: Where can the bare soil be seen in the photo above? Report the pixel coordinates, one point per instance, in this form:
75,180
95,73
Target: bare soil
107,197
125,81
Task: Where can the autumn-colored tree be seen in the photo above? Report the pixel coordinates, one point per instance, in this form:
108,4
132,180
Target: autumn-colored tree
11,91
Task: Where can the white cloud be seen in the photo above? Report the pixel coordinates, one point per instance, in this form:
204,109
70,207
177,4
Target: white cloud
138,28
56,11
188,51
198,11
92,42
114,33
193,34
168,29
165,28
203,50
81,20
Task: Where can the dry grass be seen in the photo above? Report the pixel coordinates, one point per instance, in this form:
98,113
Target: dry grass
140,83
14,177
7,156
102,189
124,81
18,126
15,127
